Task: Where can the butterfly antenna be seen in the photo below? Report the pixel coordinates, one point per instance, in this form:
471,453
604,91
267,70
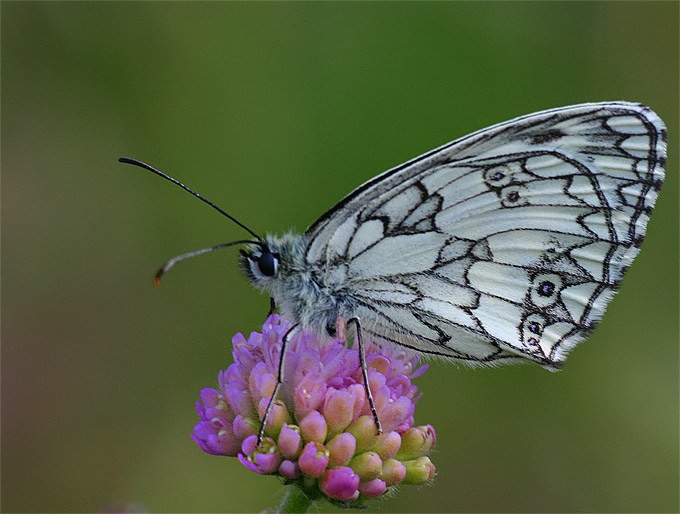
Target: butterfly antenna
141,164
164,269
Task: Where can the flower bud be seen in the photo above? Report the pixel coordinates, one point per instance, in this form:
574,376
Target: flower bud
341,448
338,410
376,380
379,363
365,432
418,471
358,394
268,461
290,441
313,427
239,400
394,412
367,465
262,382
210,397
261,459
289,469
277,416
387,445
243,427
393,472
371,489
248,463
340,484
309,395
215,440
416,442
249,445
215,444
313,459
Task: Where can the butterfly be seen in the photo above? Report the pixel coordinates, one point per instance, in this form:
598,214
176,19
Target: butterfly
504,245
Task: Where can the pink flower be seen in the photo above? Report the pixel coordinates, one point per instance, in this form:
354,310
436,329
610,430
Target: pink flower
320,433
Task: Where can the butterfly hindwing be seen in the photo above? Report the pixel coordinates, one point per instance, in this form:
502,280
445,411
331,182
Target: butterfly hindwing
506,243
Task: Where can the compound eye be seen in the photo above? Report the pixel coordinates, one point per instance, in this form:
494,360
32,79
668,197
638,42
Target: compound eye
268,264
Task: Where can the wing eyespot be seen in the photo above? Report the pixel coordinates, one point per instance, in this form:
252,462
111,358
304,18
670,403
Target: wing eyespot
513,196
498,176
545,289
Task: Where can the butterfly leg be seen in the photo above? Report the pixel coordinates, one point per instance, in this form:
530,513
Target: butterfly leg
341,331
364,372
279,380
272,306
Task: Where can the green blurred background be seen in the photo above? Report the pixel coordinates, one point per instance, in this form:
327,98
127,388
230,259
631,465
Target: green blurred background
275,111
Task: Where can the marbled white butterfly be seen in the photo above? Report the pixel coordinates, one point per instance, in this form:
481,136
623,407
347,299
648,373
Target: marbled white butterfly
504,245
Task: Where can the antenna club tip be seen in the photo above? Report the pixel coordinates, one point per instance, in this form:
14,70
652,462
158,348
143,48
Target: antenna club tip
157,280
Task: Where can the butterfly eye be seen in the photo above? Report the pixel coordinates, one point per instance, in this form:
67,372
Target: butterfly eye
268,263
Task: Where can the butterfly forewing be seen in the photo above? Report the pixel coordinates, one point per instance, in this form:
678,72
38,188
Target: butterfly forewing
506,243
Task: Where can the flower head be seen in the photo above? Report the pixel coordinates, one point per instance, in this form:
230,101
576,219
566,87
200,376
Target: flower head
320,433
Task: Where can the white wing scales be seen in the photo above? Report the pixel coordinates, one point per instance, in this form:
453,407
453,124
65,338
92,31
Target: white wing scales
506,243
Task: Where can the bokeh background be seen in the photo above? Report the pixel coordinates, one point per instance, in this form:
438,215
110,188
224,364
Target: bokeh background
275,111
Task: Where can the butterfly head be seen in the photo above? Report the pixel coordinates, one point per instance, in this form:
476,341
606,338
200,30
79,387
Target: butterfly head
260,262
274,263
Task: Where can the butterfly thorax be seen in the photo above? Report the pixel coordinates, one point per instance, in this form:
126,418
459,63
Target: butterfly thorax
295,285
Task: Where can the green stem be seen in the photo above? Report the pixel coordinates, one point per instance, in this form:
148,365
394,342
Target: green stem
295,501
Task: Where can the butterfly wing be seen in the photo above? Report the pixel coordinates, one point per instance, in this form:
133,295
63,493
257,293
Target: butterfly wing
506,243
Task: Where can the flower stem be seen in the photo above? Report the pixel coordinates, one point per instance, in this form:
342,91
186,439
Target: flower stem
295,501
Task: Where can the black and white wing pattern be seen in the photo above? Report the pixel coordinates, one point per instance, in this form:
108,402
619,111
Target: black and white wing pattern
504,244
